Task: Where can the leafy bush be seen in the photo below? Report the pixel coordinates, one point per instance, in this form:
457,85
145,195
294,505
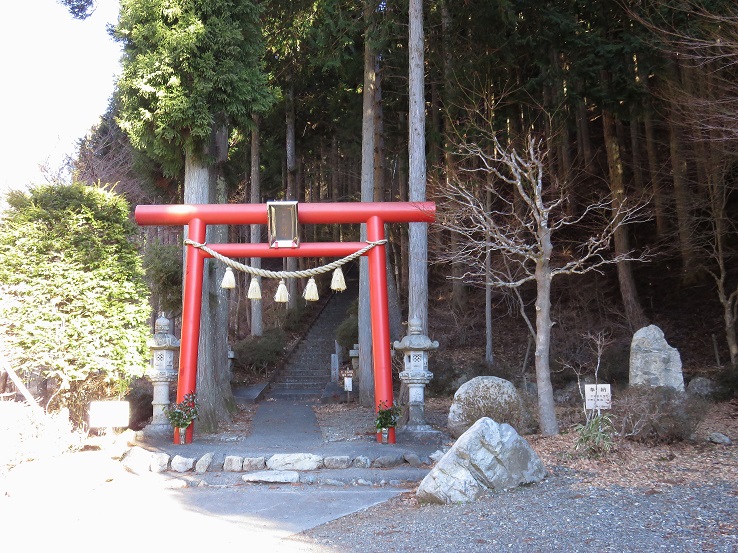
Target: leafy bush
596,436
657,415
75,307
163,266
257,353
347,333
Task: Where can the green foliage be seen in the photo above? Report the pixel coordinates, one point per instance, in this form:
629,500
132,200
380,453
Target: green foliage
347,333
181,415
387,416
257,353
75,303
595,436
163,265
186,64
79,9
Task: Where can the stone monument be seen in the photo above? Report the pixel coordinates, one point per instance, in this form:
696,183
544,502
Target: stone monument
653,362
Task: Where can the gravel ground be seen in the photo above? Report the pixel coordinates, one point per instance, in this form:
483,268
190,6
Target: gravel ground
678,497
555,515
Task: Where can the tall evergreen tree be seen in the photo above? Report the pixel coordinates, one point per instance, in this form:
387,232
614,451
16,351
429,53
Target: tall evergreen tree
192,71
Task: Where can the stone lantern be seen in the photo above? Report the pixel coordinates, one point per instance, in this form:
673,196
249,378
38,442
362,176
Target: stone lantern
164,346
415,346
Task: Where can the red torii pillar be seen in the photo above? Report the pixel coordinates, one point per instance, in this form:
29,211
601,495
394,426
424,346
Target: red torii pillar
198,216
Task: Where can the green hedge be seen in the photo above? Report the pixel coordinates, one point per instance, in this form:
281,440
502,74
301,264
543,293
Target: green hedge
75,305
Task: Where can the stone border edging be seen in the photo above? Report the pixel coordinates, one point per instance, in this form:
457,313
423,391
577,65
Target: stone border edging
140,460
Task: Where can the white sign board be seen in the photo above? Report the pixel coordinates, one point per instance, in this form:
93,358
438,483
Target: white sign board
597,396
109,414
348,383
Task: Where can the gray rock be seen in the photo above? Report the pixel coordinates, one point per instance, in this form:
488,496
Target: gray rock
484,396
294,461
273,476
437,455
175,484
138,460
412,459
204,462
362,482
702,387
362,462
159,462
487,456
182,464
387,461
233,463
653,362
307,478
254,463
332,482
719,438
338,462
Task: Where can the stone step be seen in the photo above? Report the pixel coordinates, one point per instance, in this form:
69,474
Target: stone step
308,369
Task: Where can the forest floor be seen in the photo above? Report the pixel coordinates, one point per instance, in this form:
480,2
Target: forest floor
628,464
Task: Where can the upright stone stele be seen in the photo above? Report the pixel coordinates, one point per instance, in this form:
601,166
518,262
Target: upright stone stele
415,346
653,362
161,373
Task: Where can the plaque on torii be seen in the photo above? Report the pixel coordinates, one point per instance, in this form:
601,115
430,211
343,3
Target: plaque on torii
198,216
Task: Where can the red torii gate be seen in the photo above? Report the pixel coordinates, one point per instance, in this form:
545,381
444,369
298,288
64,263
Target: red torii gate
198,216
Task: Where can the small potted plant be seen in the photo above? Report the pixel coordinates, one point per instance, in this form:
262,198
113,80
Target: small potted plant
386,420
182,414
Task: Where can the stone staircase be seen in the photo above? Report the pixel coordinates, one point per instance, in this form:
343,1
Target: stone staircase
308,369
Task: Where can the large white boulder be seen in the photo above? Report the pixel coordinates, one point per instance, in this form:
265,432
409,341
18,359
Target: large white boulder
653,362
488,456
484,396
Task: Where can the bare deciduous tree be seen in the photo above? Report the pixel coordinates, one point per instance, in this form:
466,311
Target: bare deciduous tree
526,212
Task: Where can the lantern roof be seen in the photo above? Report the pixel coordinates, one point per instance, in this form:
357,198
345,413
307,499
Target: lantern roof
415,340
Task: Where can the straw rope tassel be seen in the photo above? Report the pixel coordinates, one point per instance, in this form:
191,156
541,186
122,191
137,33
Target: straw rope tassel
338,283
254,289
311,291
282,296
229,280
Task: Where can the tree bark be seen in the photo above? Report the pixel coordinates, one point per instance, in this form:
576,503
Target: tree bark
489,357
257,326
628,292
205,185
366,372
682,200
458,290
659,202
291,263
546,406
418,233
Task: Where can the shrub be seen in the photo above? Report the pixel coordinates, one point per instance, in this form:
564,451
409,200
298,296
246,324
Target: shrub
595,436
347,333
657,415
257,353
75,309
163,265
